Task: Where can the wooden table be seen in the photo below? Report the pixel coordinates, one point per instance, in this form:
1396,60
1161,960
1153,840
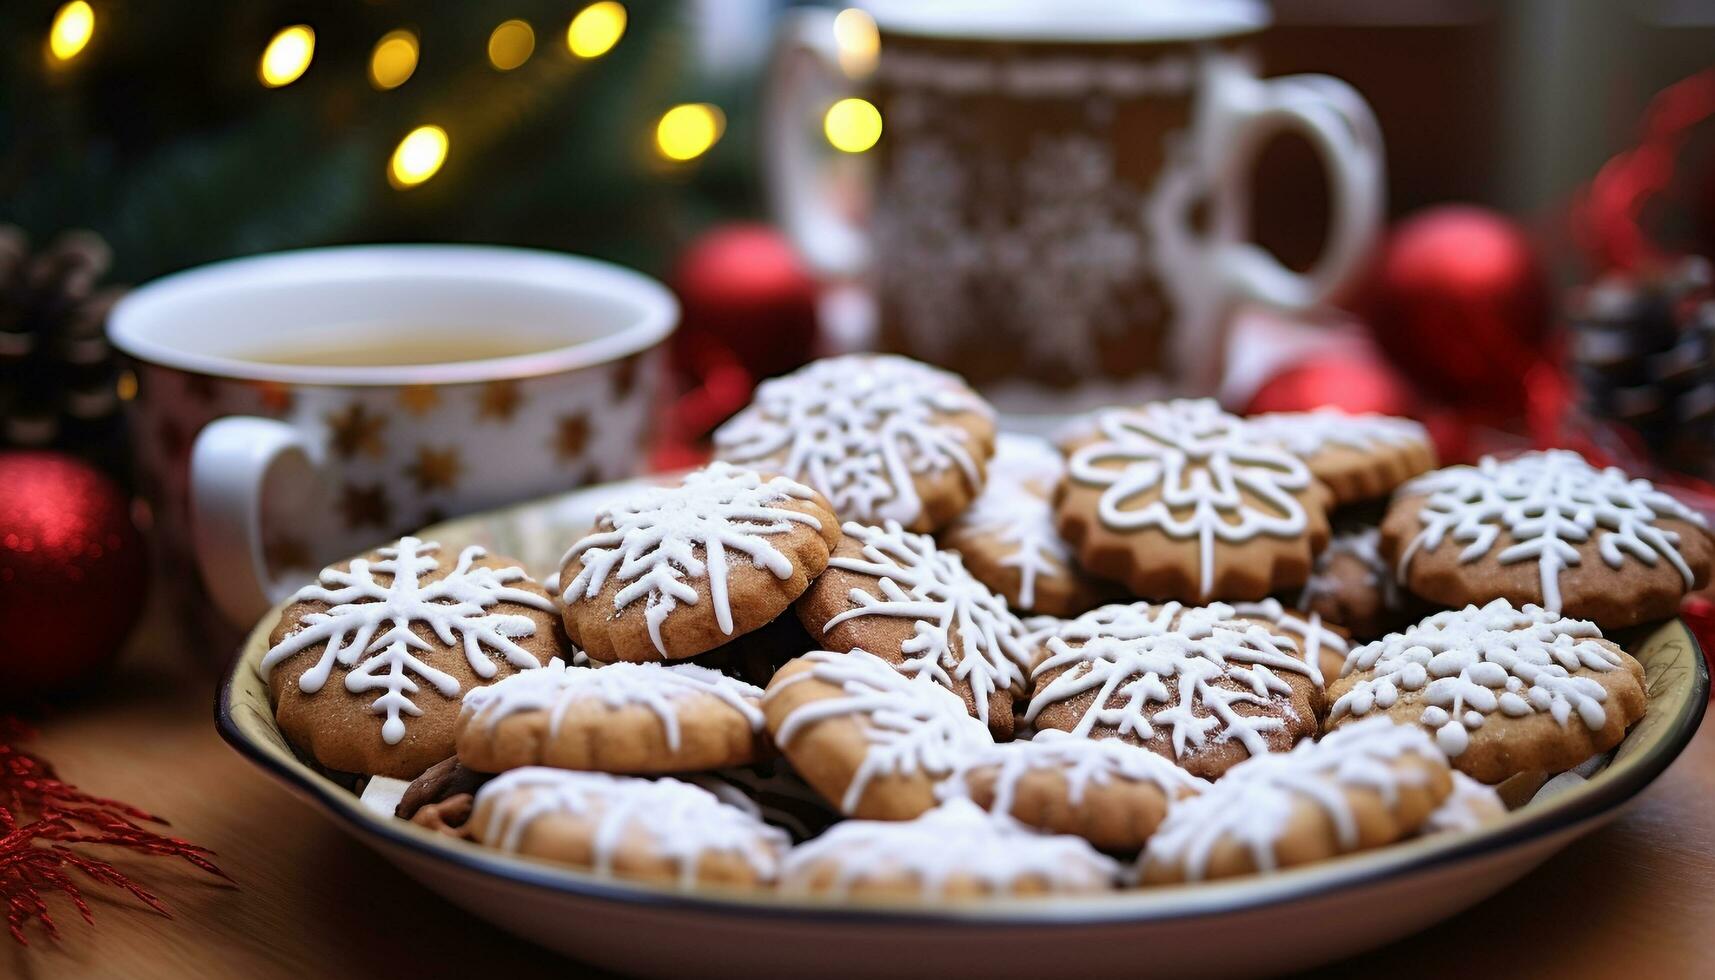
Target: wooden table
1636,898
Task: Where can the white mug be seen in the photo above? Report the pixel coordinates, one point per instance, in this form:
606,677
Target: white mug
1058,202
261,467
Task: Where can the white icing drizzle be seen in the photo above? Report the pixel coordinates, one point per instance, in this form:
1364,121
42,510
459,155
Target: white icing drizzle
1308,433
1183,669
651,540
658,687
1307,629
1471,805
681,822
1548,503
913,725
1084,762
1203,464
859,429
921,582
1251,805
955,840
367,627
1363,543
1467,664
1014,509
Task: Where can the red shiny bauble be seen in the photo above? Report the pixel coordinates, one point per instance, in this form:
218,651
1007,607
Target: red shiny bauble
744,288
72,573
1459,303
1349,382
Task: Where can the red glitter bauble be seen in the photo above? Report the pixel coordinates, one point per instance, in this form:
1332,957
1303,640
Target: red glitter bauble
72,573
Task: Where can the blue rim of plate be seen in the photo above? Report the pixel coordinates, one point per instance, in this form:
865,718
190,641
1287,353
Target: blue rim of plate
1210,899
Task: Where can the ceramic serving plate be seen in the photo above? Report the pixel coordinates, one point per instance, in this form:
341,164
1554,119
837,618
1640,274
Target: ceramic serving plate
1290,920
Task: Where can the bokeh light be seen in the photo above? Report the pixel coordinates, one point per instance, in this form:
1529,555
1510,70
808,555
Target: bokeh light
511,44
287,56
418,157
73,26
394,59
856,41
852,125
596,29
686,132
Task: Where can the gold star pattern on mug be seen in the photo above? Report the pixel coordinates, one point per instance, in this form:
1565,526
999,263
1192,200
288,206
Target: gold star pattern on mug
625,377
419,399
356,430
365,505
571,435
435,469
499,400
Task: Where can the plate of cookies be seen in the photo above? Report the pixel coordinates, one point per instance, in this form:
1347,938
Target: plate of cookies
885,689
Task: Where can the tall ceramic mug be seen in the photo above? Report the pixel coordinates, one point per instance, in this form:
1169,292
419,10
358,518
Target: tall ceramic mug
292,409
1059,198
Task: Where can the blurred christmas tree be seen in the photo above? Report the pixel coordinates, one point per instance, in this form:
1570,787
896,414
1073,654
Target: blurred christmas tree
187,132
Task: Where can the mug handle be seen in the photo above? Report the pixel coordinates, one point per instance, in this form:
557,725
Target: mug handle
230,465
805,59
1243,112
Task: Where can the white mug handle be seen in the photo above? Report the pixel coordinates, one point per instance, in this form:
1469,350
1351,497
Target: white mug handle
230,465
1241,113
802,69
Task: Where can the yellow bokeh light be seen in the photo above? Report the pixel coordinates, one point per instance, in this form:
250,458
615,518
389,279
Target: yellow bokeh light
686,132
511,45
287,56
73,26
393,60
596,29
857,42
418,157
852,125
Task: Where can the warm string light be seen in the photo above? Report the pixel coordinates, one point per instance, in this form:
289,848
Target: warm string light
287,56
74,25
852,125
686,132
857,42
511,44
418,157
596,29
393,60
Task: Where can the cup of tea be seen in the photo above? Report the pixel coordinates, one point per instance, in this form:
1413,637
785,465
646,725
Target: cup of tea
1058,203
295,408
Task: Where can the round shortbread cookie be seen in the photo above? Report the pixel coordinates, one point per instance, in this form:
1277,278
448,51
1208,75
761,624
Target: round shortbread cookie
672,572
1470,806
1358,457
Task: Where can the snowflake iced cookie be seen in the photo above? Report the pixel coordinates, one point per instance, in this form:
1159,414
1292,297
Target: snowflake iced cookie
1318,643
671,572
1178,500
657,830
409,629
1503,690
882,437
621,718
1111,793
910,602
1362,787
1471,805
1199,686
1008,539
1358,457
1548,528
872,741
955,851
1353,585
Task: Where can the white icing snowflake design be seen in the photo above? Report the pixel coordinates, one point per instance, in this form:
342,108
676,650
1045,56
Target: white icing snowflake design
1471,805
679,821
1212,481
367,627
1185,670
1252,804
1467,664
556,688
955,840
1548,503
1312,636
859,429
921,582
1084,762
1014,510
913,724
651,541
1308,433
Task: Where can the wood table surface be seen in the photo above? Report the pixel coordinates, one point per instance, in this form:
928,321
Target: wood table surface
1634,898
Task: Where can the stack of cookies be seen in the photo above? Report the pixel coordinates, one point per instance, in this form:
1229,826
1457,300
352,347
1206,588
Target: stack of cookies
879,650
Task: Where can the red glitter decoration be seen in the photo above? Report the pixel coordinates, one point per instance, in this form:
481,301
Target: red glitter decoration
36,859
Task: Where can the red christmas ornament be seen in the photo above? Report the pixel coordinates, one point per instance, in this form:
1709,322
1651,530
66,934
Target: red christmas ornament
72,572
1351,383
1459,304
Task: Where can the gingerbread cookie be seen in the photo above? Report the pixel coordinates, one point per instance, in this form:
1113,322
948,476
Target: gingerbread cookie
1319,644
955,851
409,632
871,740
1359,788
1008,539
903,598
1358,457
1505,691
1548,528
1198,686
621,718
1179,501
657,830
671,572
1471,805
883,437
1111,793
1353,585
